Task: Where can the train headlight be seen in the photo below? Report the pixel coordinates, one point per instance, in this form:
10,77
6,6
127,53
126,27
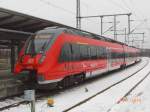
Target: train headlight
41,77
21,59
42,59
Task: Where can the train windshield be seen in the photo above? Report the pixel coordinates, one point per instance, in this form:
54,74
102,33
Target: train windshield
38,43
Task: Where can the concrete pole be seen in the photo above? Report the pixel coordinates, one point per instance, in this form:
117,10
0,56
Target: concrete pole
101,25
78,17
125,34
143,40
132,42
129,25
115,36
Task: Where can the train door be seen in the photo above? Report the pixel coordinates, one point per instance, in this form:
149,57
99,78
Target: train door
69,63
108,50
66,57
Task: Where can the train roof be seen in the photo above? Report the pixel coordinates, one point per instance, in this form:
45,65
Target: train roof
81,32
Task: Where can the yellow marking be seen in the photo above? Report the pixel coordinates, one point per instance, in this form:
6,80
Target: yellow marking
82,43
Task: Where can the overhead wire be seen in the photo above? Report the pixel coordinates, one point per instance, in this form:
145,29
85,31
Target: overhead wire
128,7
73,13
132,10
140,13
137,26
118,5
58,7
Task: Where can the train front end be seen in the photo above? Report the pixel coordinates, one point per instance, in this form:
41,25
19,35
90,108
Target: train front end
34,55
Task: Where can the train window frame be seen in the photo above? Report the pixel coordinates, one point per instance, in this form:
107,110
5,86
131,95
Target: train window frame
93,52
104,53
83,52
75,52
65,53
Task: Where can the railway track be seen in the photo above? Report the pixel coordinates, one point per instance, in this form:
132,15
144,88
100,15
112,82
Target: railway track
136,85
80,103
100,92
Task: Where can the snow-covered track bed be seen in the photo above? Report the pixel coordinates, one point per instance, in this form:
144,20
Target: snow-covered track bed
70,98
130,90
106,100
102,91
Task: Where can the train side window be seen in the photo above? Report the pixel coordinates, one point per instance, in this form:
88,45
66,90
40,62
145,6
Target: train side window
117,55
93,52
98,52
65,53
83,52
126,55
86,52
75,52
89,52
113,55
120,55
103,53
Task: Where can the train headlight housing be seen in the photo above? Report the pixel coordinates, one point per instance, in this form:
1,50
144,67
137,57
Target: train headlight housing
42,59
41,77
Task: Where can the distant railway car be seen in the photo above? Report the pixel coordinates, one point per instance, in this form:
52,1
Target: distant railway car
63,56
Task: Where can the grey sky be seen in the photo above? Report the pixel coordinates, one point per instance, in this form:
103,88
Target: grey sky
63,11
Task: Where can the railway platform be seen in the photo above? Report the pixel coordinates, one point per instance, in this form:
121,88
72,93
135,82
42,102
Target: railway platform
11,85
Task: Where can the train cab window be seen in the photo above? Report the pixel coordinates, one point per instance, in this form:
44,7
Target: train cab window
65,53
38,43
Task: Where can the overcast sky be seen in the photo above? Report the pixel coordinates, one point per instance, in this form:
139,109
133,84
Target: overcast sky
64,11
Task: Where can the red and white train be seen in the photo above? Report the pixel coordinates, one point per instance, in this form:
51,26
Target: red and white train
62,56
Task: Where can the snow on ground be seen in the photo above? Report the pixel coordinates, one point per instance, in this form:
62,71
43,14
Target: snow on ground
74,95
137,101
106,100
10,101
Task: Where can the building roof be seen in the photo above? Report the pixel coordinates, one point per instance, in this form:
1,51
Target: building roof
18,26
21,22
